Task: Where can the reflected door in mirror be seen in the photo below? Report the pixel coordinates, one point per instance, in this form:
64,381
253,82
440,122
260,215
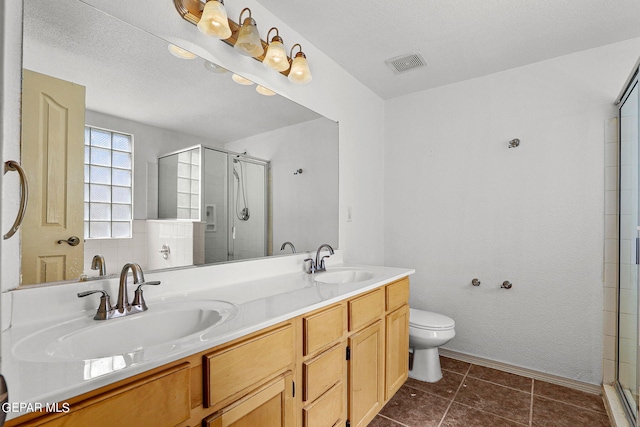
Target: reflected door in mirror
53,113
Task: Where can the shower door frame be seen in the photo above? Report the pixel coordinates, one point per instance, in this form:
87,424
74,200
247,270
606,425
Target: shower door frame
631,408
231,207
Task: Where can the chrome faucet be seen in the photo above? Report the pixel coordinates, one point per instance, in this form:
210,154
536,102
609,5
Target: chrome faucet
318,265
98,263
123,307
284,245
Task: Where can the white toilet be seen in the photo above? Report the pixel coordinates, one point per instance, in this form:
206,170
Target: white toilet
427,332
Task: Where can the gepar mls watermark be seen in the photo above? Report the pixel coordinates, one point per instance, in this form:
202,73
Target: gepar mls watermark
21,407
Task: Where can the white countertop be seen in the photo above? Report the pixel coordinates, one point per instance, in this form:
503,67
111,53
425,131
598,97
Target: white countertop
261,302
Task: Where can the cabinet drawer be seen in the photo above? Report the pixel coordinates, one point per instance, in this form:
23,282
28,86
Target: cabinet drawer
327,410
160,399
322,372
397,294
270,406
232,371
322,329
366,308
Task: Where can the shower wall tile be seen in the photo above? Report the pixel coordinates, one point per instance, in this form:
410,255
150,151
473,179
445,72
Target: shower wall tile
152,190
611,275
610,299
118,252
611,131
611,178
610,250
179,235
609,325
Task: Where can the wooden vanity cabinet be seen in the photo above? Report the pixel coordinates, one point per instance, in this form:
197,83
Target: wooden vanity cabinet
336,364
396,336
269,406
323,368
233,371
358,349
250,382
158,398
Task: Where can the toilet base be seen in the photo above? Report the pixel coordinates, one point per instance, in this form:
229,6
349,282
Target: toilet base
426,365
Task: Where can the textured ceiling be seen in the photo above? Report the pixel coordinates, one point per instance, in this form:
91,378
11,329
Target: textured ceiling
460,39
131,74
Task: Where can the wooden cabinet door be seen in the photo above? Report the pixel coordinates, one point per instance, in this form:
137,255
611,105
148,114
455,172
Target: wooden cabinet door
366,374
397,350
161,399
53,159
269,406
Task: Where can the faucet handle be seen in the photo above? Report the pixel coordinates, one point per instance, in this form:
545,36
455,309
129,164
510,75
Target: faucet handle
105,304
312,266
138,299
322,267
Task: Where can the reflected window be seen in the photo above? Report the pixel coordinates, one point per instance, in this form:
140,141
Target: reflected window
108,171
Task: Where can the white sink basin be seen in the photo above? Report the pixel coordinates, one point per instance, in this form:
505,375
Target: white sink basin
350,275
157,331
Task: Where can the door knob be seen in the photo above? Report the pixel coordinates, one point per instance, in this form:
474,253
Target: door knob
72,241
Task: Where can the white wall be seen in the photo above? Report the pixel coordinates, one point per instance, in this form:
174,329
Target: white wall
304,205
333,93
461,205
149,142
11,17
361,119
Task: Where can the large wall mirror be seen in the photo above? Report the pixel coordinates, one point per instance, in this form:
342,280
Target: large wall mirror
150,157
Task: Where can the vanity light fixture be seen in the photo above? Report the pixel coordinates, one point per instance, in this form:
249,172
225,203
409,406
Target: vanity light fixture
179,52
246,39
299,72
248,42
264,91
214,21
241,80
276,57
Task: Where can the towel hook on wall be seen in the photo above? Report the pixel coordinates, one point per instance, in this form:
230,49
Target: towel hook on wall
514,143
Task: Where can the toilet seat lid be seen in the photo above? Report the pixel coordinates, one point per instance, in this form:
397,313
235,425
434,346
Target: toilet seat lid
428,320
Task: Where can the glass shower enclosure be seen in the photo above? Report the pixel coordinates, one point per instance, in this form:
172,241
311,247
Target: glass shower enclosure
629,251
226,191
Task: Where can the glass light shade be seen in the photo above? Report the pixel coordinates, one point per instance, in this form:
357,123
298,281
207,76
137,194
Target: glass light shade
300,73
214,21
249,43
179,52
264,91
214,68
276,57
241,80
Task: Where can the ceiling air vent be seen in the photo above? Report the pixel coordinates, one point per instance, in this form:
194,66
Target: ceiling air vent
406,62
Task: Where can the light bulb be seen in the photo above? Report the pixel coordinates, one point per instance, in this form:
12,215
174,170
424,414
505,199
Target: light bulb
214,68
249,43
241,80
264,91
276,57
300,72
179,52
214,21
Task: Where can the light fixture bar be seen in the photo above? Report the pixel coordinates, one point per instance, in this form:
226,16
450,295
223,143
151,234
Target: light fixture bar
191,11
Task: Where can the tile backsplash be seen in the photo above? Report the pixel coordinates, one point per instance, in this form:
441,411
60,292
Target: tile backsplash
184,238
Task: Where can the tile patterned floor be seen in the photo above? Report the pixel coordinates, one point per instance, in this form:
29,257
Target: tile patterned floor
474,396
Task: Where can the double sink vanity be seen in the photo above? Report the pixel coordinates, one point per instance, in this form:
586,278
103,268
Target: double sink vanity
240,344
